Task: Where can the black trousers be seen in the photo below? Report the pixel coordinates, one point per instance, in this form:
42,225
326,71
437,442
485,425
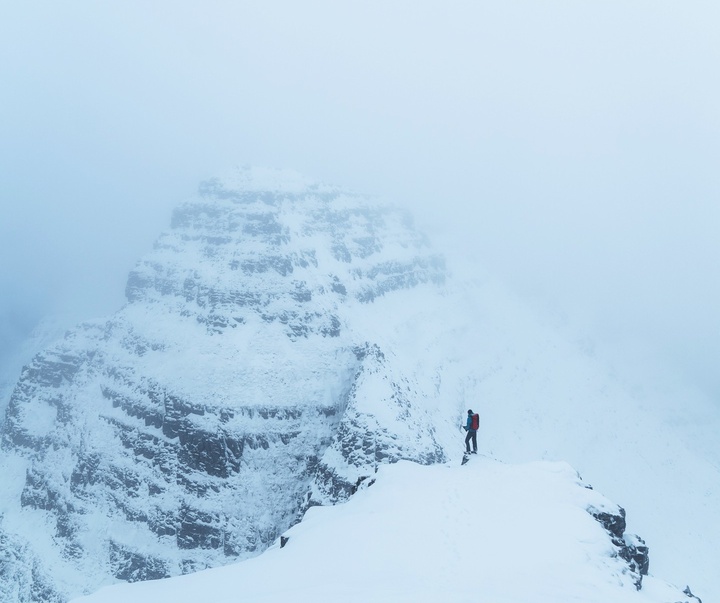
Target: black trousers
471,435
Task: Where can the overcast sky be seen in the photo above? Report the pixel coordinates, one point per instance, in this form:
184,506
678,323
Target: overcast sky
572,147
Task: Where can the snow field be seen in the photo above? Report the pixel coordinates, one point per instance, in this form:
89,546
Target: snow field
485,531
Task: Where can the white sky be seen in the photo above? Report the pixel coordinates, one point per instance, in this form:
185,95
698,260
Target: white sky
571,146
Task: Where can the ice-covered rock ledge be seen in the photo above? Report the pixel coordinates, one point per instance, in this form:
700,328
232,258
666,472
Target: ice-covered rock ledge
485,531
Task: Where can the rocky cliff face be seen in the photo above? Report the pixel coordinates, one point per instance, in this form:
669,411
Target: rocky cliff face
236,387
630,547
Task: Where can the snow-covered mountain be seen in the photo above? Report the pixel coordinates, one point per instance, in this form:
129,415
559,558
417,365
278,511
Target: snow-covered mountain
231,392
280,343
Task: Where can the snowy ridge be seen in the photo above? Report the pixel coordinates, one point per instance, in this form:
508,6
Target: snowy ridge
482,532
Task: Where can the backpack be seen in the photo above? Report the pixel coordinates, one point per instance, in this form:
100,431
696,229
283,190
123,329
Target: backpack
475,423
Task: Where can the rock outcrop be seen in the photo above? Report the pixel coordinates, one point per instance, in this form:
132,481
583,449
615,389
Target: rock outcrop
629,547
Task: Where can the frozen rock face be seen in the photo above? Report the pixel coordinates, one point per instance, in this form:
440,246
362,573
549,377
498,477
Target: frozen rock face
368,435
22,576
238,386
630,547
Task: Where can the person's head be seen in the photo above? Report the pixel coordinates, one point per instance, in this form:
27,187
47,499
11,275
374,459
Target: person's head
469,411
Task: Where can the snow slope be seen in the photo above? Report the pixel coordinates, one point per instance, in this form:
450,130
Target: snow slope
485,531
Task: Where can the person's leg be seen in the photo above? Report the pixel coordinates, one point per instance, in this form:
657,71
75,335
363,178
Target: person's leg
474,441
467,440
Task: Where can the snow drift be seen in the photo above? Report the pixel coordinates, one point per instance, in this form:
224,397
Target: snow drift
482,532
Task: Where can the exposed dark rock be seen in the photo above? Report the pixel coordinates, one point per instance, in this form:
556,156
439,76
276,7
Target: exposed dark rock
197,530
211,452
133,566
333,329
338,287
282,265
629,547
364,481
636,553
614,523
689,593
38,493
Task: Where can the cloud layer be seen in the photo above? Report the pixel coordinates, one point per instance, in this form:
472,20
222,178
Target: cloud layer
570,148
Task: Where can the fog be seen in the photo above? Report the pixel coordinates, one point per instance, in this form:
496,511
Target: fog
571,149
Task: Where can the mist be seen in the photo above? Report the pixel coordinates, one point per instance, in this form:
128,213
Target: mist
570,149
